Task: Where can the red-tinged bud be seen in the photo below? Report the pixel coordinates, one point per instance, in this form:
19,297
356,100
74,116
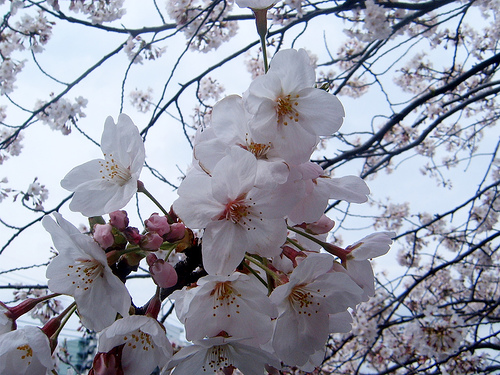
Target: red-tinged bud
103,234
292,254
108,363
158,224
177,232
337,251
119,220
323,225
154,307
151,241
132,235
163,273
23,307
172,215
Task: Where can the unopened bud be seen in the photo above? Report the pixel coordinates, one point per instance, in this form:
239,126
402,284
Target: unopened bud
103,235
177,232
163,273
108,363
158,224
132,235
151,241
119,220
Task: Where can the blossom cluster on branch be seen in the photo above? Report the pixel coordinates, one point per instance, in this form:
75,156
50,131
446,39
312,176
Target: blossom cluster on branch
266,295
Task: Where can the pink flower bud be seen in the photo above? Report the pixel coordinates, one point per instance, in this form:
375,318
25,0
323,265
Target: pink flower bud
323,225
132,235
158,224
163,273
177,232
103,235
119,220
151,241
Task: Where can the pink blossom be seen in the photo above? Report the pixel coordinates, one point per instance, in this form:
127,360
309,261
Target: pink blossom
119,219
151,241
215,354
177,232
158,224
103,235
163,273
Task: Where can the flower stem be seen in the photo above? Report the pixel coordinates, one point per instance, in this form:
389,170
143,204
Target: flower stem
254,273
265,268
261,23
331,248
142,189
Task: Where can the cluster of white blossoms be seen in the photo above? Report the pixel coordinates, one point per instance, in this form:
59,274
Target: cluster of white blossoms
267,296
251,185
60,114
259,287
14,146
202,22
98,11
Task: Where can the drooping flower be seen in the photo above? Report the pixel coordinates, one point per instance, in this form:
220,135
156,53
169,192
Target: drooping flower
305,305
237,216
319,188
81,270
25,351
145,344
212,355
105,185
234,304
357,263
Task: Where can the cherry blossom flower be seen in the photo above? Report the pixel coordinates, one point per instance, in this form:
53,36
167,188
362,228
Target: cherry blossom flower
357,264
237,217
237,305
320,188
105,185
305,304
289,110
231,126
214,354
25,351
145,344
81,270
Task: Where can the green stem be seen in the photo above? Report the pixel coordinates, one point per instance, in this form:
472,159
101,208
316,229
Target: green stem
261,23
67,314
259,264
296,244
264,52
142,189
306,235
255,274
